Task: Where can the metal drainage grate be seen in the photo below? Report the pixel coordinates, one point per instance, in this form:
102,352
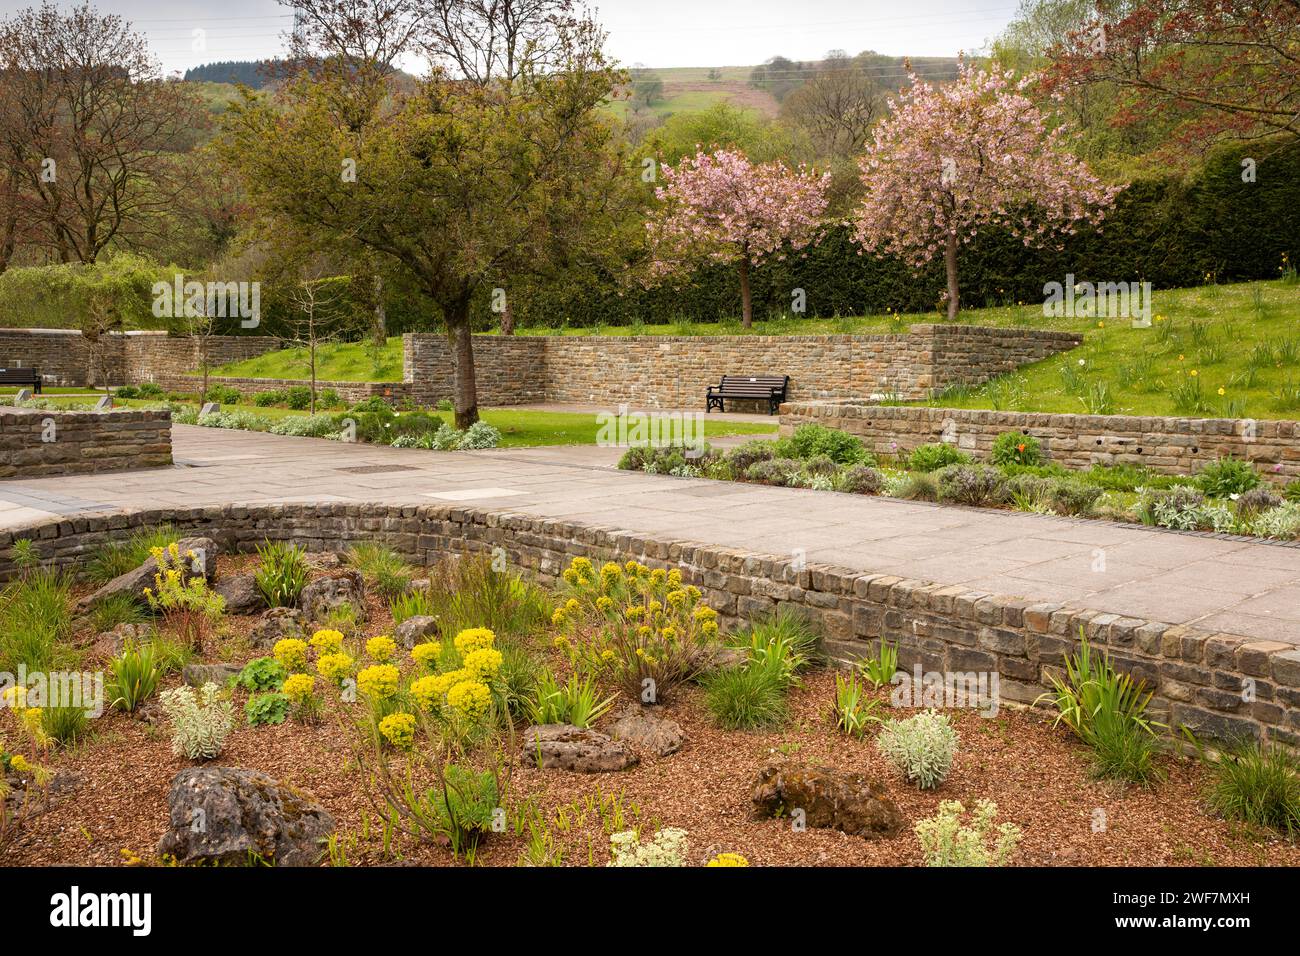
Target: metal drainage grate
375,469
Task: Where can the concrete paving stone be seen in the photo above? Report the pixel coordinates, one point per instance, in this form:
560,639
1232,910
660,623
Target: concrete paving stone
1233,578
1171,604
1257,626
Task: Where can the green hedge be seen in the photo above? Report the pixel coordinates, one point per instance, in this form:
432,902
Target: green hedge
1167,230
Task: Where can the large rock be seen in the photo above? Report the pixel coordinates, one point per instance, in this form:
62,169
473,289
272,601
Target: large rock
276,624
645,732
232,815
717,657
565,747
196,675
134,582
325,594
828,798
414,630
241,594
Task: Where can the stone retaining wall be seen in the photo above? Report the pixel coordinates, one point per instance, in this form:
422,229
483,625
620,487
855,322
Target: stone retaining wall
37,443
673,372
1172,446
1219,685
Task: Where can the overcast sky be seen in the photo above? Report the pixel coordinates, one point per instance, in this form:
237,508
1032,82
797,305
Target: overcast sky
653,32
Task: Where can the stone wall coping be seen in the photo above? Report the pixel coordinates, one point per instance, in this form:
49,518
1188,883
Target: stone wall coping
75,416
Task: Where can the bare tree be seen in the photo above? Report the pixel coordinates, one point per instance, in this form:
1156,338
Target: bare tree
837,106
88,130
319,315
486,40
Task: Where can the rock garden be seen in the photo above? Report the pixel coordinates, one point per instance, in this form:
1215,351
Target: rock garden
299,708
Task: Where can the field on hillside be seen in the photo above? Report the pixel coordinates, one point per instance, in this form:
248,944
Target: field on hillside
690,90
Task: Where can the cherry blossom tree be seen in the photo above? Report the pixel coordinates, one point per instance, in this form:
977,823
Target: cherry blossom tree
721,207
949,161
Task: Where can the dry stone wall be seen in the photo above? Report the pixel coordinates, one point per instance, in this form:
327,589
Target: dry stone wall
1172,446
38,443
1199,676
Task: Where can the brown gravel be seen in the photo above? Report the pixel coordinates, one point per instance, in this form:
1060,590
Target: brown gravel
1037,775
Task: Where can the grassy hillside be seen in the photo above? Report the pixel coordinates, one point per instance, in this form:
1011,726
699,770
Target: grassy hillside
1243,339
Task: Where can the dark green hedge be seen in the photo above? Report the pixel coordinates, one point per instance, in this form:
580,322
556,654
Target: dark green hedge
1169,230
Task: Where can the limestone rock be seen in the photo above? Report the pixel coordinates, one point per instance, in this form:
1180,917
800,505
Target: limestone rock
134,582
325,594
276,624
582,750
829,798
644,731
414,630
232,815
196,675
241,594
719,657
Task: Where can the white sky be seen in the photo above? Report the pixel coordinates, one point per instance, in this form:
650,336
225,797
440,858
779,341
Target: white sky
655,32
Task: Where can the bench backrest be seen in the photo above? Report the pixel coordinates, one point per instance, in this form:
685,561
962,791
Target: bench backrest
11,375
757,384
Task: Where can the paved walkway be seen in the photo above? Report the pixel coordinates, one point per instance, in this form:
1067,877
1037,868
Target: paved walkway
1245,588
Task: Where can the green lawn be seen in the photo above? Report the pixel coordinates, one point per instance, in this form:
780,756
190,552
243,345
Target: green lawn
339,362
519,429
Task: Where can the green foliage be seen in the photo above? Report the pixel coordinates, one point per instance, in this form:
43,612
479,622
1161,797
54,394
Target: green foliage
298,397
922,747
262,674
201,720
859,480
576,702
932,457
749,697
465,805
813,440
1258,784
1106,709
854,710
383,567
881,667
116,609
1227,476
1292,491
974,485
35,618
1016,448
65,725
222,394
282,573
263,709
409,604
119,287
469,592
116,557
945,842
134,677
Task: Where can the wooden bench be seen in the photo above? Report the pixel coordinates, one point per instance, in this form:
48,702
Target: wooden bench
21,376
762,388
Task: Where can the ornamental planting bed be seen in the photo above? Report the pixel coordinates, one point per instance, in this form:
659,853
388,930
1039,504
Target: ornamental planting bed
754,697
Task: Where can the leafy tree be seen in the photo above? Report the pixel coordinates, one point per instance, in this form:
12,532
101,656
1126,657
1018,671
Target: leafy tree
458,184
722,207
953,160
722,126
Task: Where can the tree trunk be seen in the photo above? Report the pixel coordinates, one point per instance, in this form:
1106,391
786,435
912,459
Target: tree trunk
311,402
950,264
465,399
507,320
379,324
746,298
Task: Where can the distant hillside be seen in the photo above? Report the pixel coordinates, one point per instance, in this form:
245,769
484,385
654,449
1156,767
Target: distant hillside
252,73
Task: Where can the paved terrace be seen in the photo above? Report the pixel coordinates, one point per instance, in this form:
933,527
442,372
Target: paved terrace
1241,587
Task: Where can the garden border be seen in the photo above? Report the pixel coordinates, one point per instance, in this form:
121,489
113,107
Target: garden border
1199,676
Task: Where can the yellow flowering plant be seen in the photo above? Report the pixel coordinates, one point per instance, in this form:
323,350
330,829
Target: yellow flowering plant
291,652
382,649
643,630
327,641
336,667
181,595
301,691
728,859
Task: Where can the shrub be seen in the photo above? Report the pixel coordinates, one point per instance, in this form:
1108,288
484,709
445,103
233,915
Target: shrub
465,805
667,848
635,458
306,426
821,465
1126,478
1258,784
182,595
1257,501
239,421
126,391
921,747
222,395
329,398
1292,491
742,457
782,472
812,440
880,668
267,399
1016,448
1029,492
150,390
134,677
1106,709
575,702
201,720
859,480
1282,522
282,573
919,486
933,457
1180,507
479,435
114,558
262,674
1227,476
945,842
971,484
298,397
1071,497
262,709
64,725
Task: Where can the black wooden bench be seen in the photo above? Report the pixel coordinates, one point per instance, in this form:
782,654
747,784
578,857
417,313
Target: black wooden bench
762,388
21,376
